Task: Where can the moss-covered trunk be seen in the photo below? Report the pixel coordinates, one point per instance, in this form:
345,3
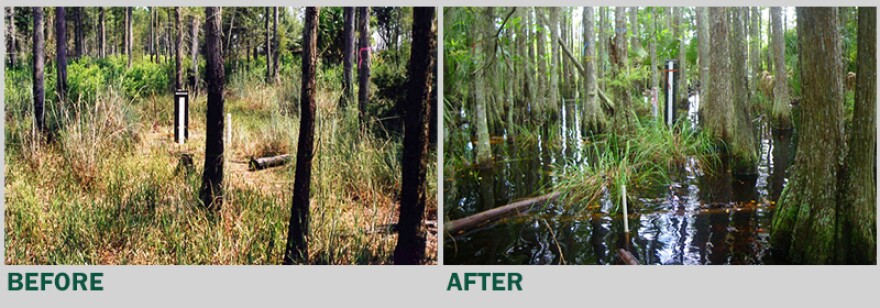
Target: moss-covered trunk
805,221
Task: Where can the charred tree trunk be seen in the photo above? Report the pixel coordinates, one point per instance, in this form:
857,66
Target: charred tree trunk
153,42
781,110
363,62
178,50
276,43
858,239
211,191
39,58
413,193
61,54
805,222
347,55
297,250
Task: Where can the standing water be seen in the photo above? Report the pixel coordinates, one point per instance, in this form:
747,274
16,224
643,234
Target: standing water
696,219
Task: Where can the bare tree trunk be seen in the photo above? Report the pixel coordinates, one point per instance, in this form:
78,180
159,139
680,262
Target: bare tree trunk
364,53
754,53
655,72
77,32
194,48
297,250
211,191
61,54
102,33
682,59
804,228
858,238
602,50
591,121
348,55
39,58
554,102
743,146
178,50
541,106
717,107
622,117
414,190
634,24
13,48
128,34
275,45
268,51
781,110
483,30
704,50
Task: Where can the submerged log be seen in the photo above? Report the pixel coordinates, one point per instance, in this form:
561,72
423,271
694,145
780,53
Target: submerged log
480,218
627,257
268,162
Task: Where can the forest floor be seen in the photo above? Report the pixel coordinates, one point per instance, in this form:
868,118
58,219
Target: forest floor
109,188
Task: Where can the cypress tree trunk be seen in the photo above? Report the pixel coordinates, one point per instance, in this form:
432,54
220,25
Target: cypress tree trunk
591,113
804,224
413,193
682,60
39,58
194,48
743,145
531,69
61,54
553,104
859,196
347,55
268,49
623,110
211,191
704,51
363,62
178,50
655,73
781,110
297,249
717,108
483,149
541,32
602,50
754,53
634,24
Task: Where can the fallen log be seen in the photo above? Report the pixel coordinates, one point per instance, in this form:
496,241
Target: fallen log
627,257
268,162
480,218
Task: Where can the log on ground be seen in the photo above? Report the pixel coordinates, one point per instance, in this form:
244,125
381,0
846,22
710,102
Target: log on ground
268,162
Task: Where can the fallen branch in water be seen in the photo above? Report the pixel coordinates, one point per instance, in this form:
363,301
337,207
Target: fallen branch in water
480,218
627,257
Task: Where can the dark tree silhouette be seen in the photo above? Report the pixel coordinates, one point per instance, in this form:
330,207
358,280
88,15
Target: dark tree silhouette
211,191
61,53
297,250
411,234
39,59
267,17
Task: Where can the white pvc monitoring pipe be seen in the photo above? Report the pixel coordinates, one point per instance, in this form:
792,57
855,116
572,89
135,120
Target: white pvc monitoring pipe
625,212
181,114
670,89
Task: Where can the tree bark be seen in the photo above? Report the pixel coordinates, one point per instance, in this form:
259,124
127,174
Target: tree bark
128,34
754,53
781,110
13,47
622,115
102,33
555,102
541,33
364,53
211,191
77,32
858,238
481,45
804,224
194,48
39,58
682,59
704,50
592,123
413,193
178,50
743,145
297,250
347,55
655,72
602,50
717,108
61,54
276,43
634,24
268,50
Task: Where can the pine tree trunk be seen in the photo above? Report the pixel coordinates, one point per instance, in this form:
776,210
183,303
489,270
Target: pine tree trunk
61,54
781,110
178,50
268,50
364,53
39,58
211,191
483,149
347,55
128,34
276,43
413,193
194,49
297,250
858,236
102,33
804,224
